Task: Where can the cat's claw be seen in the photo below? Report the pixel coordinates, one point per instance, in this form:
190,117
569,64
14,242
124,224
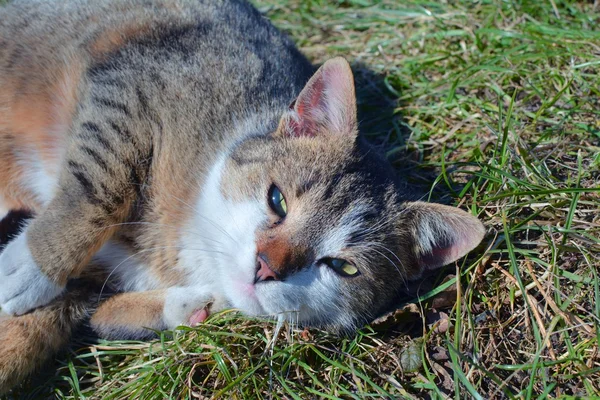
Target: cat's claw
23,286
190,305
199,316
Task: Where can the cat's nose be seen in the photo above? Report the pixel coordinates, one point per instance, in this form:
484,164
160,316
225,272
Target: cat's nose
263,271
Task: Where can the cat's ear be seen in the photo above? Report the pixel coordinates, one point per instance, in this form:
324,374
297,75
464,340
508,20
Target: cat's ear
326,105
439,234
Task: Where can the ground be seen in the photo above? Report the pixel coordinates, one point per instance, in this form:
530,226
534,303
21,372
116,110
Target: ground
493,106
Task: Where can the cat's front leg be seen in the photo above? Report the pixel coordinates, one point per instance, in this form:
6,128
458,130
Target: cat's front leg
55,246
23,286
136,315
97,188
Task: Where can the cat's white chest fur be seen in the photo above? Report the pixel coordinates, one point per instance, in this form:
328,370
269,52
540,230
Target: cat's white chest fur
126,269
218,244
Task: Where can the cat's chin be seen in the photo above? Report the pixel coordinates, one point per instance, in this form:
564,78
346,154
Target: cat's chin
253,299
243,296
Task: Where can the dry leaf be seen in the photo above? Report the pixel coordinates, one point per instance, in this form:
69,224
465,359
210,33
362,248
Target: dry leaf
408,313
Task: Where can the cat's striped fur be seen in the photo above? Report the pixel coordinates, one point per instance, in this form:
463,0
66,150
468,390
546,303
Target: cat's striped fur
146,136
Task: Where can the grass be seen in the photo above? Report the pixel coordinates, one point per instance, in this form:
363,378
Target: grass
491,105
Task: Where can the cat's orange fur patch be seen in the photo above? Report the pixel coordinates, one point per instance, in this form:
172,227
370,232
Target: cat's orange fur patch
133,310
111,40
36,334
35,125
13,195
277,251
172,209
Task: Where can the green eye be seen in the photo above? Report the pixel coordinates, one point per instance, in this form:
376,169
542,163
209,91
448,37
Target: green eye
342,267
277,201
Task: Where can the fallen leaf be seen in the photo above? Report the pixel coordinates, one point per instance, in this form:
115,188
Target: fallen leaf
439,322
408,313
440,354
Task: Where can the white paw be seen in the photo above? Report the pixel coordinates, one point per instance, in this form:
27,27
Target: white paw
23,286
182,303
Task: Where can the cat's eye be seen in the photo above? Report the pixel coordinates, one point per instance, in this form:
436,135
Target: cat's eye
277,201
342,267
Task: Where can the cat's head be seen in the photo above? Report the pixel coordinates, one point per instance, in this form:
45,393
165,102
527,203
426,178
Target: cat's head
309,222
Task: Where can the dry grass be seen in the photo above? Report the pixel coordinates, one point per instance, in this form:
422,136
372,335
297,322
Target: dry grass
495,106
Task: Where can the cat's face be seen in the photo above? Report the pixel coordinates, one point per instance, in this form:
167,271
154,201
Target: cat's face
309,222
317,233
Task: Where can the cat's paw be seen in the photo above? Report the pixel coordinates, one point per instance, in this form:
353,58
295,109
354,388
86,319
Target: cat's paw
23,286
200,315
189,306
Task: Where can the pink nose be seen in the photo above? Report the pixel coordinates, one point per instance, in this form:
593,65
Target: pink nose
263,271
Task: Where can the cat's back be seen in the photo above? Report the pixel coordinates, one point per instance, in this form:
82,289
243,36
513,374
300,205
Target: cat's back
39,25
208,57
46,47
38,35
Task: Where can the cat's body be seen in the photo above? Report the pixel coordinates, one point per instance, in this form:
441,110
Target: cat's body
169,149
133,71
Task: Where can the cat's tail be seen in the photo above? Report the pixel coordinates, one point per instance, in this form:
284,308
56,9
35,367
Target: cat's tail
30,340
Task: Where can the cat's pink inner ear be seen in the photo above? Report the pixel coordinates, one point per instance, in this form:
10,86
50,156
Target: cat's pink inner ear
327,103
443,234
447,250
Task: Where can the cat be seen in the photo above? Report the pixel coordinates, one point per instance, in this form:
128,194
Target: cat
186,157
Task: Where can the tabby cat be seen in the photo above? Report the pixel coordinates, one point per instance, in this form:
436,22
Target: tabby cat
186,157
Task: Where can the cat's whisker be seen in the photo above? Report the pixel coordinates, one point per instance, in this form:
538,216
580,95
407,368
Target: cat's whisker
218,227
198,214
391,262
138,253
174,227
280,318
381,246
170,194
234,220
179,228
380,225
383,223
192,208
